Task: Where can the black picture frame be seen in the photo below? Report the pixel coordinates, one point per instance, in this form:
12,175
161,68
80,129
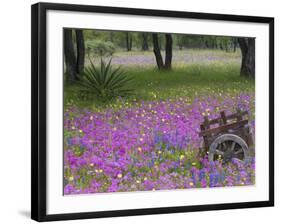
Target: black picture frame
39,122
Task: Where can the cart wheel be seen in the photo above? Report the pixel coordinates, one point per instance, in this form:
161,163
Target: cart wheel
228,146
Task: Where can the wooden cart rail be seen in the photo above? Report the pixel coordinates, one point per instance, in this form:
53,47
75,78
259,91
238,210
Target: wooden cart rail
222,120
215,131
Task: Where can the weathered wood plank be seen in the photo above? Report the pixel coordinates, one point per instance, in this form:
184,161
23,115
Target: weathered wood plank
223,117
219,129
228,117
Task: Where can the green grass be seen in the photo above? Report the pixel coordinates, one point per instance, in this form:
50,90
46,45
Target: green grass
189,81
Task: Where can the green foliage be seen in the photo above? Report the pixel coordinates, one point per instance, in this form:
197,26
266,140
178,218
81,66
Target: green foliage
100,48
102,40
104,81
197,41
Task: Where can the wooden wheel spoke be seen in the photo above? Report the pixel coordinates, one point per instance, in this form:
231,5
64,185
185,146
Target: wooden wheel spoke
219,152
238,151
232,146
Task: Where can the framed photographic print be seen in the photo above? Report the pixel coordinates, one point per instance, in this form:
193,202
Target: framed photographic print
139,111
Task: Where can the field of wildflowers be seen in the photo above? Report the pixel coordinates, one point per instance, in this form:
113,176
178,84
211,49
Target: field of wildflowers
151,141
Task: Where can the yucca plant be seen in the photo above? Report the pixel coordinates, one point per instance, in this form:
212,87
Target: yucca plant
105,81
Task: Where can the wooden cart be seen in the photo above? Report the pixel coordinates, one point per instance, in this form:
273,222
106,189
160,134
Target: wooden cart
227,137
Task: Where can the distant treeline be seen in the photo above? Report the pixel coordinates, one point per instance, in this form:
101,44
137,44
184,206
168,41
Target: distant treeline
79,43
143,41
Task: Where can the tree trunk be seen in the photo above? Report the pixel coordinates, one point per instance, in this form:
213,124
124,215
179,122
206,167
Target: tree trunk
216,43
144,42
234,40
206,44
128,41
80,51
247,46
111,34
131,42
157,51
70,59
169,51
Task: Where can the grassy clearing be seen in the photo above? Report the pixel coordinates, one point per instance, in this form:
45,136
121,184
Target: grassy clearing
180,57
189,81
